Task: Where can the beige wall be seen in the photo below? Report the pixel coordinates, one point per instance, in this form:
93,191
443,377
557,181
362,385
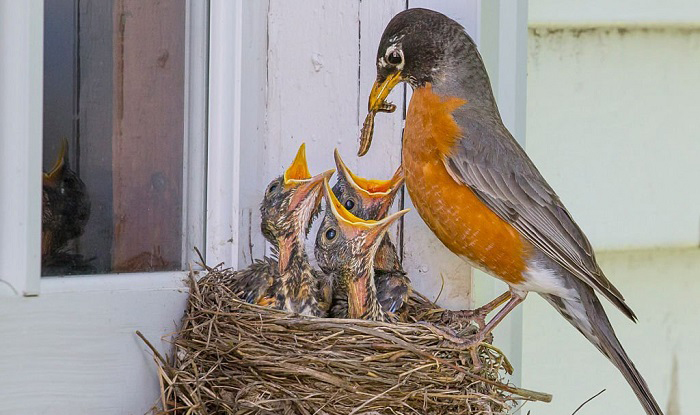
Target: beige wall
613,123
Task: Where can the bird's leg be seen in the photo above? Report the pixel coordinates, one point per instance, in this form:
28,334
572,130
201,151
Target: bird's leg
476,339
502,313
479,314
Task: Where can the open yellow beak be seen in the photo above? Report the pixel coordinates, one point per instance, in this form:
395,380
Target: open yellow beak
52,175
372,191
299,170
350,223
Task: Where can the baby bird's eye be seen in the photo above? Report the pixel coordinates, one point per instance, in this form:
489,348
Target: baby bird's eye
349,204
330,234
272,188
395,57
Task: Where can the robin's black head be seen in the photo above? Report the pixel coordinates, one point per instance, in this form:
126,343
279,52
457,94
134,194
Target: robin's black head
291,202
365,198
422,46
418,43
345,247
427,49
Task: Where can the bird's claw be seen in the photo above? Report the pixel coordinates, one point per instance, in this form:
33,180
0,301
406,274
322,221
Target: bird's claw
456,342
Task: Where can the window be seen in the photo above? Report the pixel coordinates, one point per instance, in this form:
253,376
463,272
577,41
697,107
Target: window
118,121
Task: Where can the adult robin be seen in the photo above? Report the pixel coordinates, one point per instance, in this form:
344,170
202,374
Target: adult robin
371,199
347,245
479,192
288,282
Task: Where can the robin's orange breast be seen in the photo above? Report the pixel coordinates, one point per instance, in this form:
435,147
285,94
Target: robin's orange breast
452,211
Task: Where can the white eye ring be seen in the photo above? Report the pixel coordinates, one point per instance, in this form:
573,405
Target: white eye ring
392,52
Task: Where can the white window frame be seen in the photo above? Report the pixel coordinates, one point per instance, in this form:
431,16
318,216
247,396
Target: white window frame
21,142
21,83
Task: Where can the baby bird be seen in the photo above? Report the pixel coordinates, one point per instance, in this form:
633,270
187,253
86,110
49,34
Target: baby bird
289,283
371,199
345,248
65,205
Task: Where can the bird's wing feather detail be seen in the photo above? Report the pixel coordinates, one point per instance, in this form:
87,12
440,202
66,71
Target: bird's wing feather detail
512,187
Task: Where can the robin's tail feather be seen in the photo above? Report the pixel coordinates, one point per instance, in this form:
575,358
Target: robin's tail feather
588,316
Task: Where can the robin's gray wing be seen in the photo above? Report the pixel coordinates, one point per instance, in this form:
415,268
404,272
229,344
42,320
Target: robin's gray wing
504,179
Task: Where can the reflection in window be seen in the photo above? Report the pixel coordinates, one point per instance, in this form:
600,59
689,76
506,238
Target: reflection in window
113,136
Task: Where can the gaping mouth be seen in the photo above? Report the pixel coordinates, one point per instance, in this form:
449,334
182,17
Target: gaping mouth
377,103
309,193
376,195
371,187
299,170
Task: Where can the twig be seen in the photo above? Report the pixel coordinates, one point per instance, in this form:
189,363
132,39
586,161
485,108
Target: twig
153,349
588,400
202,262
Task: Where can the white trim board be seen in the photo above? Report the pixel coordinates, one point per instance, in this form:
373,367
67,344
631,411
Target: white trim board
21,83
75,351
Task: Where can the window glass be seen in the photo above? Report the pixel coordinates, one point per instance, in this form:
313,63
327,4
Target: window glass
114,108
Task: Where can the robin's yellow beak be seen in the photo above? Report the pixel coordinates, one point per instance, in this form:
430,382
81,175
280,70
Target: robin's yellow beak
299,170
52,176
381,90
377,103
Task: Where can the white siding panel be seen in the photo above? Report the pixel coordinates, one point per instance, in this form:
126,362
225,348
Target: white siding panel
613,126
73,349
615,12
661,286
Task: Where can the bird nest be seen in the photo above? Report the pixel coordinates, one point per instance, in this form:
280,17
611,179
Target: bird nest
237,358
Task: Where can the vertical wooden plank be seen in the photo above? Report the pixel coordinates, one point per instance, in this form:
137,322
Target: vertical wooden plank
148,134
312,94
312,83
385,154
95,56
251,243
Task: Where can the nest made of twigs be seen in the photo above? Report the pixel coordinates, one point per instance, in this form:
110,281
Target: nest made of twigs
237,358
